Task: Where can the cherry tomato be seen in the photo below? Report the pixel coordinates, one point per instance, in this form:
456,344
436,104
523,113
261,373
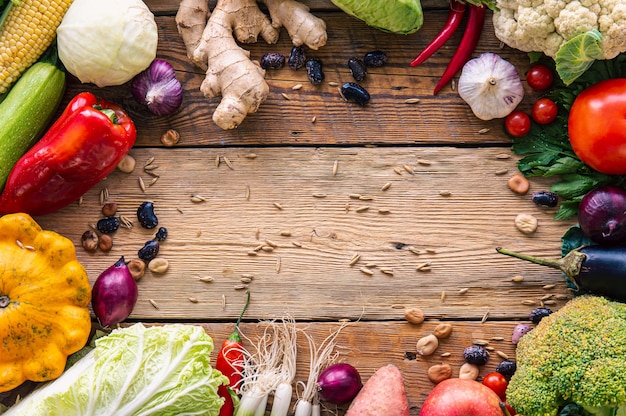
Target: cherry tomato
597,126
517,123
496,382
544,111
539,77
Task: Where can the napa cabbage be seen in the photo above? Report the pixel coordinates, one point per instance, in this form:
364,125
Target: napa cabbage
139,371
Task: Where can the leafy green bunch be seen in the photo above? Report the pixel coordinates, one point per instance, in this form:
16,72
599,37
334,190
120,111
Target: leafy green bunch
546,149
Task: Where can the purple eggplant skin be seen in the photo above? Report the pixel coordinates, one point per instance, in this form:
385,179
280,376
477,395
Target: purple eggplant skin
603,271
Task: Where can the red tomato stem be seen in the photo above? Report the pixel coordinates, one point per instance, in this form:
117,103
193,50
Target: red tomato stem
455,15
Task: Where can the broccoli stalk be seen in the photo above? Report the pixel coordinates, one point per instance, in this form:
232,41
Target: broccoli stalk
576,355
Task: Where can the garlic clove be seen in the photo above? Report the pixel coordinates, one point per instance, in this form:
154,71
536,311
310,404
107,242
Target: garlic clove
491,86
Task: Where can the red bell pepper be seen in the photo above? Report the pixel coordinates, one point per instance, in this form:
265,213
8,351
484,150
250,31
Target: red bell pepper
81,148
230,362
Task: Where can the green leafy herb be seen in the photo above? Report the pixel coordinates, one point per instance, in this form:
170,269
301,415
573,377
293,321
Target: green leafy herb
547,151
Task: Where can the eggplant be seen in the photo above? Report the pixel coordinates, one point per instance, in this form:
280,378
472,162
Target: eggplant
596,269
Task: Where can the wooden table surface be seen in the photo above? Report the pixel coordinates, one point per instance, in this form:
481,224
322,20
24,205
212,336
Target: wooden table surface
290,177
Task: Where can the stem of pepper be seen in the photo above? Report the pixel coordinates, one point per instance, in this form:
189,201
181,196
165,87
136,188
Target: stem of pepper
228,362
455,15
471,35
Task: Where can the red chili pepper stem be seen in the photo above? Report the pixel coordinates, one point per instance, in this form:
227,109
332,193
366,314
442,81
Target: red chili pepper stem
235,335
455,15
471,35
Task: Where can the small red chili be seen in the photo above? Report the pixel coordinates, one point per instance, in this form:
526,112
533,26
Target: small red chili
230,363
471,35
455,15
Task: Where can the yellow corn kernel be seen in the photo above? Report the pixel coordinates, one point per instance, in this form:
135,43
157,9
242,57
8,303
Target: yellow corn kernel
28,31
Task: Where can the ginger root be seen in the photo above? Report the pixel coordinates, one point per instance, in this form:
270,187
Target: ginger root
229,70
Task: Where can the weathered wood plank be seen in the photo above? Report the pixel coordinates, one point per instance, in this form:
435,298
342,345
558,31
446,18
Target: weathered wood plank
386,120
371,345
456,234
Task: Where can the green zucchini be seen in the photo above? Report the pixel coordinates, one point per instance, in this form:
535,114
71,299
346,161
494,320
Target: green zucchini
26,112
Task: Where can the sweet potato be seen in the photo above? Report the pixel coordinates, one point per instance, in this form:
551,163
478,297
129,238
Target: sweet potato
382,395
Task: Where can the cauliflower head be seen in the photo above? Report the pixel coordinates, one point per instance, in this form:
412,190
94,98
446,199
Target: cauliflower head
575,355
545,25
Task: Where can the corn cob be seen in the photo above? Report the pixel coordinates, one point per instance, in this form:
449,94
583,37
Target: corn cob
27,31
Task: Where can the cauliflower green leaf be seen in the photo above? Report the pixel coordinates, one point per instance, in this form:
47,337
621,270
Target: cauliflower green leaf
576,55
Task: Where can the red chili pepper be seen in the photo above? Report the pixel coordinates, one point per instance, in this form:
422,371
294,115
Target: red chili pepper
457,11
230,363
80,149
471,35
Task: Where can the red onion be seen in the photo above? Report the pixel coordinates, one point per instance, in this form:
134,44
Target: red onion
339,383
114,294
602,215
158,88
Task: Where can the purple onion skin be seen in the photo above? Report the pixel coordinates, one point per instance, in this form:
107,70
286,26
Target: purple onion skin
339,383
602,215
114,294
158,88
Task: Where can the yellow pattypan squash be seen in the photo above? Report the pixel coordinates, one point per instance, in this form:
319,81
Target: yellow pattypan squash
44,298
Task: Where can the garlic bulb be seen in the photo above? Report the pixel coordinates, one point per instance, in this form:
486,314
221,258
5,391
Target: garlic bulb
491,86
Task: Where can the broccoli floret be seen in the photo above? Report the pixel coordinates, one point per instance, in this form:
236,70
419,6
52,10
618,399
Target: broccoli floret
575,355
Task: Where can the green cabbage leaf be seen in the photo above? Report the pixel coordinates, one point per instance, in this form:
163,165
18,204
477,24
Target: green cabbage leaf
395,16
139,371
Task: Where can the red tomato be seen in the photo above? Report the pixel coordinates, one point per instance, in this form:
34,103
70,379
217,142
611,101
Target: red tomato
597,126
496,382
539,77
517,123
544,111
